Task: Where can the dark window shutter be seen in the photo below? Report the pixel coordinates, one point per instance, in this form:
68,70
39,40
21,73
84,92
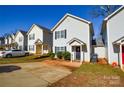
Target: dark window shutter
55,35
65,33
65,48
55,49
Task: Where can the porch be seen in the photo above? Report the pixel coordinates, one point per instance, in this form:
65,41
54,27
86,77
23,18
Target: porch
120,44
41,48
77,49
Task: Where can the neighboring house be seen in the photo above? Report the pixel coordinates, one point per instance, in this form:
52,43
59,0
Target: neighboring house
2,42
6,39
98,47
39,40
21,40
13,37
113,36
73,34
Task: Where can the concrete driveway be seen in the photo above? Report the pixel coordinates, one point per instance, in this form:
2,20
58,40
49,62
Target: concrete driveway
38,74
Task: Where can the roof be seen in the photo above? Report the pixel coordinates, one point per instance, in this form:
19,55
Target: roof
114,13
120,40
41,27
98,42
94,42
23,32
76,39
1,38
72,16
110,16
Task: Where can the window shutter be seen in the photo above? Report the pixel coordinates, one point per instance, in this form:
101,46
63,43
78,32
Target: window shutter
65,33
55,49
65,48
33,36
55,35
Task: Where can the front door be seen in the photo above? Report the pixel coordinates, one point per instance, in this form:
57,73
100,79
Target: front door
122,54
38,49
77,52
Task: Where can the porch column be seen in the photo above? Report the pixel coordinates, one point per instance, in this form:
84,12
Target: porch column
121,56
42,49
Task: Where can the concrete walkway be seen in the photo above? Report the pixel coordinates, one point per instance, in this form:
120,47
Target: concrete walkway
38,74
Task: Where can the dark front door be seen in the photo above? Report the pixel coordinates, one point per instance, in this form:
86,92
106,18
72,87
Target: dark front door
77,52
122,54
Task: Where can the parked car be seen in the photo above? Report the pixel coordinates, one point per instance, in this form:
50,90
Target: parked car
13,53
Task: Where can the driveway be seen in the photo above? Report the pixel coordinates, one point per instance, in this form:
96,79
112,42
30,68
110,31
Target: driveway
38,74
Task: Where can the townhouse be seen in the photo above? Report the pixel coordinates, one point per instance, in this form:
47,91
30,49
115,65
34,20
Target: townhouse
39,40
113,37
73,34
2,41
20,41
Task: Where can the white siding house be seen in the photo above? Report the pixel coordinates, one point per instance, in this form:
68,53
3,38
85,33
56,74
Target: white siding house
73,34
2,42
113,36
6,39
21,40
39,40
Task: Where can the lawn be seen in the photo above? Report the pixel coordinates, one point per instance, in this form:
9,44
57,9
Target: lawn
92,75
31,58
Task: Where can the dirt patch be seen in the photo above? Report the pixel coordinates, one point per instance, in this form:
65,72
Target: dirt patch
85,80
71,81
61,63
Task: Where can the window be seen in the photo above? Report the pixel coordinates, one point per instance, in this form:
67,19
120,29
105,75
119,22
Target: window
31,36
20,39
60,49
31,47
20,47
60,34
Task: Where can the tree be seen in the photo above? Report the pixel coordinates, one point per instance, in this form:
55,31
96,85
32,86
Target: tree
104,10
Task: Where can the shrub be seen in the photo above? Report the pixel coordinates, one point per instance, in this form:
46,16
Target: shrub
66,55
52,55
59,55
49,54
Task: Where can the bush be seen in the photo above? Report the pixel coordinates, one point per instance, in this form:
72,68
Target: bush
66,55
60,55
52,55
49,54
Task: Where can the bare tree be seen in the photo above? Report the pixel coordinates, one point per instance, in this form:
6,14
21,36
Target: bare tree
103,10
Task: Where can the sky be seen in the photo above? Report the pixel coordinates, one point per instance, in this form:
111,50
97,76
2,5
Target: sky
13,18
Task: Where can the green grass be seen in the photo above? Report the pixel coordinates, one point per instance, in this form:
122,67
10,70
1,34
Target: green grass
22,59
98,69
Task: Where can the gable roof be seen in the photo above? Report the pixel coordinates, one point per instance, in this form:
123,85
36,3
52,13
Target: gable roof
72,16
1,38
21,31
114,13
110,16
120,40
41,27
77,40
